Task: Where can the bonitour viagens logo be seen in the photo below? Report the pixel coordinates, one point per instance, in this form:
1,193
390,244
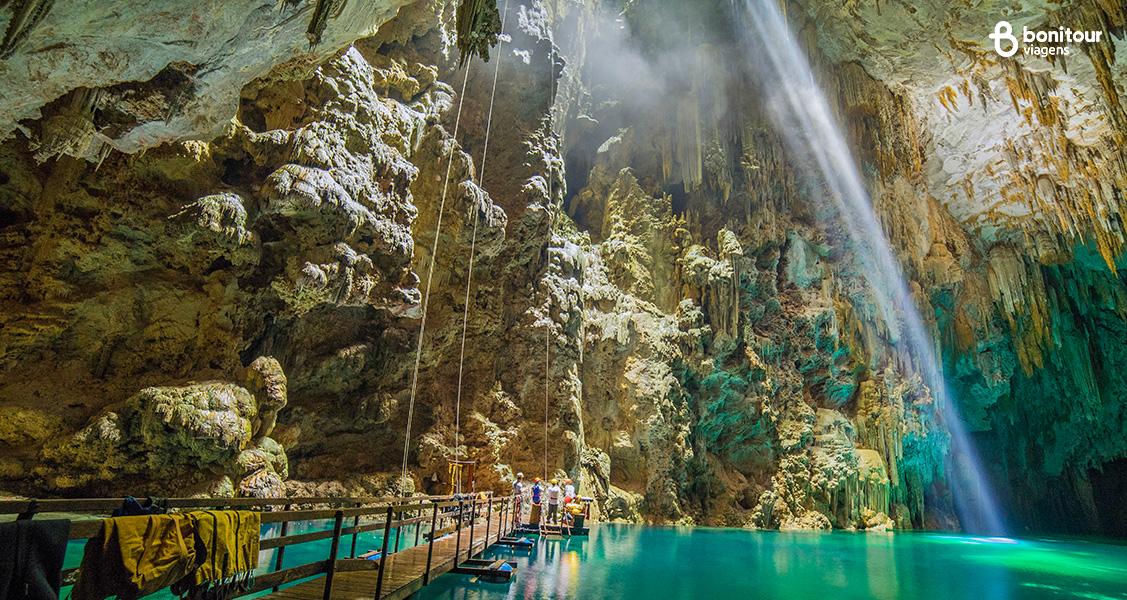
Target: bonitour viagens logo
1039,42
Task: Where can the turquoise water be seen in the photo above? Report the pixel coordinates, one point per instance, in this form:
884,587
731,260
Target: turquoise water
673,563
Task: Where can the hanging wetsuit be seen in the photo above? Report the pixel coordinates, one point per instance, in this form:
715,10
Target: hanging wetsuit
230,538
31,558
136,556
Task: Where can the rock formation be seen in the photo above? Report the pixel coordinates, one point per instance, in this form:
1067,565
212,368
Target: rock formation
217,224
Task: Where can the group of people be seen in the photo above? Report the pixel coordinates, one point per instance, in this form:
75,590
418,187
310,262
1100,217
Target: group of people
546,497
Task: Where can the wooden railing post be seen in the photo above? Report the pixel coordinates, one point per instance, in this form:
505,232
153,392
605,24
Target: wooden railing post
473,519
355,533
418,525
458,534
488,518
504,518
338,522
383,553
398,529
281,549
430,546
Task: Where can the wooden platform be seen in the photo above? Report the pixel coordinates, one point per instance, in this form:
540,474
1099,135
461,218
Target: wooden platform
566,531
404,575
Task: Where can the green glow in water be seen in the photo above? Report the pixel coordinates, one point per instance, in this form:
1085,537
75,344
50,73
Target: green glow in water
667,563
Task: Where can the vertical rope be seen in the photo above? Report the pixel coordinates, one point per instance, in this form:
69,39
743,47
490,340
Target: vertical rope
430,277
547,340
473,248
548,248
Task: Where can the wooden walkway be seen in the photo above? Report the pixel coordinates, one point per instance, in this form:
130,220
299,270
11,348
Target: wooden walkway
404,571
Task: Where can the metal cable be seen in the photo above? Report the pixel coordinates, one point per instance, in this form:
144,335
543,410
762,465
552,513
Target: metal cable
473,249
430,277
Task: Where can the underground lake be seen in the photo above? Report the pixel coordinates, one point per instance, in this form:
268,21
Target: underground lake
675,563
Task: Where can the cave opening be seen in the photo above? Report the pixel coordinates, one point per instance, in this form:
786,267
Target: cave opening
680,198
238,171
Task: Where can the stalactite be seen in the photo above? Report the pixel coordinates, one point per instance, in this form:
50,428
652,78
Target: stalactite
71,129
893,423
322,12
1019,292
1076,203
1108,17
26,14
478,25
882,123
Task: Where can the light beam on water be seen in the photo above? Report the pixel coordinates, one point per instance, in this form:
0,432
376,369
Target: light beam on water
806,123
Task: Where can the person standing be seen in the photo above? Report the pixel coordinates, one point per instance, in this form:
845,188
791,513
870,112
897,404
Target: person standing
534,516
553,494
537,489
518,495
569,492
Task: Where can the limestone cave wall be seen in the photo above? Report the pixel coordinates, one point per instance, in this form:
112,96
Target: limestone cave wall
215,259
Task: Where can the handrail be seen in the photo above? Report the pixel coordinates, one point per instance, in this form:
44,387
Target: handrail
107,505
393,509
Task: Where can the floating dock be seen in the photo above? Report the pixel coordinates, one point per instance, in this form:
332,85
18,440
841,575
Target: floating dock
521,543
487,569
564,531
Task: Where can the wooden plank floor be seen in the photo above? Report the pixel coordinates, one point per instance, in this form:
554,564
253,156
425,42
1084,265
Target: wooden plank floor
404,575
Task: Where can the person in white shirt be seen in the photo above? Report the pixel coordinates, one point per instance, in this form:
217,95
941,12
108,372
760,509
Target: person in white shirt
553,492
569,491
518,496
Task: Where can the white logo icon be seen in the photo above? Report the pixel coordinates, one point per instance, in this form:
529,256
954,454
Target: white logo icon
1004,31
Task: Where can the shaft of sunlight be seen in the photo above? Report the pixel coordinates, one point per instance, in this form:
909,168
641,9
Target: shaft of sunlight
804,120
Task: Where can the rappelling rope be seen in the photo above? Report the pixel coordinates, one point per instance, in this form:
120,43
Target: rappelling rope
473,248
548,249
430,277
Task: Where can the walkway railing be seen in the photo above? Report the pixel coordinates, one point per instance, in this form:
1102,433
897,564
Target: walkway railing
444,514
